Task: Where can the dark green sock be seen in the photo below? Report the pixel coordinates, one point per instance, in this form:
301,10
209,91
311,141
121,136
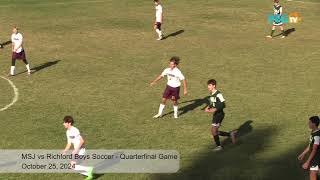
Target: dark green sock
283,33
217,140
272,31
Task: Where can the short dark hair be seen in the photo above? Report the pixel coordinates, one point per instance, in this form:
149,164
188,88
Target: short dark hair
315,120
175,59
212,81
276,1
68,119
156,0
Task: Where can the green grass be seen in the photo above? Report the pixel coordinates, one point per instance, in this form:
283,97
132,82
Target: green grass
106,55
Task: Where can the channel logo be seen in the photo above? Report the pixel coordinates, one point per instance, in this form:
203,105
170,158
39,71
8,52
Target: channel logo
293,18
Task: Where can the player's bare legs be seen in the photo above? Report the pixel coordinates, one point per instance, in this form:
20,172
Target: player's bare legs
175,107
313,175
282,30
161,107
216,133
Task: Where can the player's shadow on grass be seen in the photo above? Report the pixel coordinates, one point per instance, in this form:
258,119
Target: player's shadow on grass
41,66
242,161
287,32
173,34
5,43
195,103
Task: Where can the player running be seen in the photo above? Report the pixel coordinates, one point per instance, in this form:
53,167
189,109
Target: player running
313,161
17,51
159,18
74,138
172,90
277,21
216,106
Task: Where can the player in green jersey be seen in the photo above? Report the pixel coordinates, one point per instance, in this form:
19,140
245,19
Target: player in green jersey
313,161
216,106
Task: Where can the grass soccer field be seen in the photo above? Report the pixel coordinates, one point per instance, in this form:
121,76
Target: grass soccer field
95,60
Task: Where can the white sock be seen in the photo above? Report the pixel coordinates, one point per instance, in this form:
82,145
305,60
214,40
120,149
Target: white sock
12,70
28,67
84,173
159,32
175,109
161,107
81,168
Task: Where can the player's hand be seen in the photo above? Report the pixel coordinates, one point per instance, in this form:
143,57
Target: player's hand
152,83
207,110
301,157
185,92
305,165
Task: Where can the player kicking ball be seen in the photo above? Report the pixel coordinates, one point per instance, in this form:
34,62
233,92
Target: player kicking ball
172,90
18,51
159,18
277,21
313,161
216,106
74,138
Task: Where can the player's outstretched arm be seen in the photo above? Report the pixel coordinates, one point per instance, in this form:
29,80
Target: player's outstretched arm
184,87
301,156
156,80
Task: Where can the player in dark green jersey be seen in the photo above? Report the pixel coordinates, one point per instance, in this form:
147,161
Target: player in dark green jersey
277,12
313,161
216,106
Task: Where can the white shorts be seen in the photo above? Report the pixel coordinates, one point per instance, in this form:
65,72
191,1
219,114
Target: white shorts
314,168
216,124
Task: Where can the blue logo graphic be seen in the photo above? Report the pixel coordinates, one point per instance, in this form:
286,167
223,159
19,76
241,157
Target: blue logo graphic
277,18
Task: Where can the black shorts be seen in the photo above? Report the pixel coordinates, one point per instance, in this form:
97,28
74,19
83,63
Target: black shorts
217,119
315,164
158,24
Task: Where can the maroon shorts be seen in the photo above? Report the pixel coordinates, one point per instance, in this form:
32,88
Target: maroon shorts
171,93
21,55
158,24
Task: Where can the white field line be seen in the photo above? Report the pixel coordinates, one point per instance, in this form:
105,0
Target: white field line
16,94
59,3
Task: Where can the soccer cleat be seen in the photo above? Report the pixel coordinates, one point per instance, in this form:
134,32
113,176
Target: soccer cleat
90,174
233,136
283,37
160,38
269,36
157,116
31,71
175,116
218,148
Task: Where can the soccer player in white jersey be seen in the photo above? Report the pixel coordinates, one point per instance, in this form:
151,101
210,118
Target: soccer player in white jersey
172,90
17,51
74,138
159,19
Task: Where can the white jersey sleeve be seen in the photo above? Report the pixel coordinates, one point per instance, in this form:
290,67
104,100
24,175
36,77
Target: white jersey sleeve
220,97
181,76
317,140
164,72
